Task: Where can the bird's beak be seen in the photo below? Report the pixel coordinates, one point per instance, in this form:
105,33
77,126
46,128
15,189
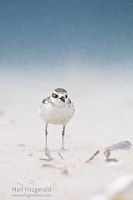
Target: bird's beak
62,99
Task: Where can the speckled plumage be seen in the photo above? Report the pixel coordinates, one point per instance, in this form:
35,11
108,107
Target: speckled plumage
56,114
47,101
60,90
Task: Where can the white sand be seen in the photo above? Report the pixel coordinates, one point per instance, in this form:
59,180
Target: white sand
104,116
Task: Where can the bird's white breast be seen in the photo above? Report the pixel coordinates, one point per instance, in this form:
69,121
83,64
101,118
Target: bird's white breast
56,114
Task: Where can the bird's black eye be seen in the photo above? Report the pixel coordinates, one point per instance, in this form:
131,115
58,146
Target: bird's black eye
66,96
54,95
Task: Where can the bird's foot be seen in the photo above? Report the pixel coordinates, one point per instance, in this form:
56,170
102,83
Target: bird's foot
46,150
62,149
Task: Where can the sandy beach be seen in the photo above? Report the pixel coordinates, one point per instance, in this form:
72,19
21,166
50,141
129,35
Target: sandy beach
103,117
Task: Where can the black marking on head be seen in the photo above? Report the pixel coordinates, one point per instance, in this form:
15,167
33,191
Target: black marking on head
60,90
44,100
54,95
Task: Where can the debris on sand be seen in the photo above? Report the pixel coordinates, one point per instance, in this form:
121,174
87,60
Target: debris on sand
118,146
93,156
107,155
107,151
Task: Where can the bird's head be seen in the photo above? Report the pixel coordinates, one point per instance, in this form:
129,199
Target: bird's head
59,96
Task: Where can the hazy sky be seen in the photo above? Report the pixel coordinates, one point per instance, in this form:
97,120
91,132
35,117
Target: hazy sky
56,32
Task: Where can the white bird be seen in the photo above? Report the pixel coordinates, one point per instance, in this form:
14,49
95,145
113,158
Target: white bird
56,109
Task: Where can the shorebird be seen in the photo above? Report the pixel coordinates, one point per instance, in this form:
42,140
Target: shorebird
56,109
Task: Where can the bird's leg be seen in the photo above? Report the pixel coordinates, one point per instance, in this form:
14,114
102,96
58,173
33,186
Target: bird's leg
63,133
46,133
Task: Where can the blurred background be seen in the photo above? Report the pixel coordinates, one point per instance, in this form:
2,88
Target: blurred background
51,38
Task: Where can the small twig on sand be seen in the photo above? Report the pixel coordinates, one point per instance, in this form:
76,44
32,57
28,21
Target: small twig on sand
93,156
60,155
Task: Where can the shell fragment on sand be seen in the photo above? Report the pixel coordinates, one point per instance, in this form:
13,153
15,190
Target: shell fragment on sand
118,146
